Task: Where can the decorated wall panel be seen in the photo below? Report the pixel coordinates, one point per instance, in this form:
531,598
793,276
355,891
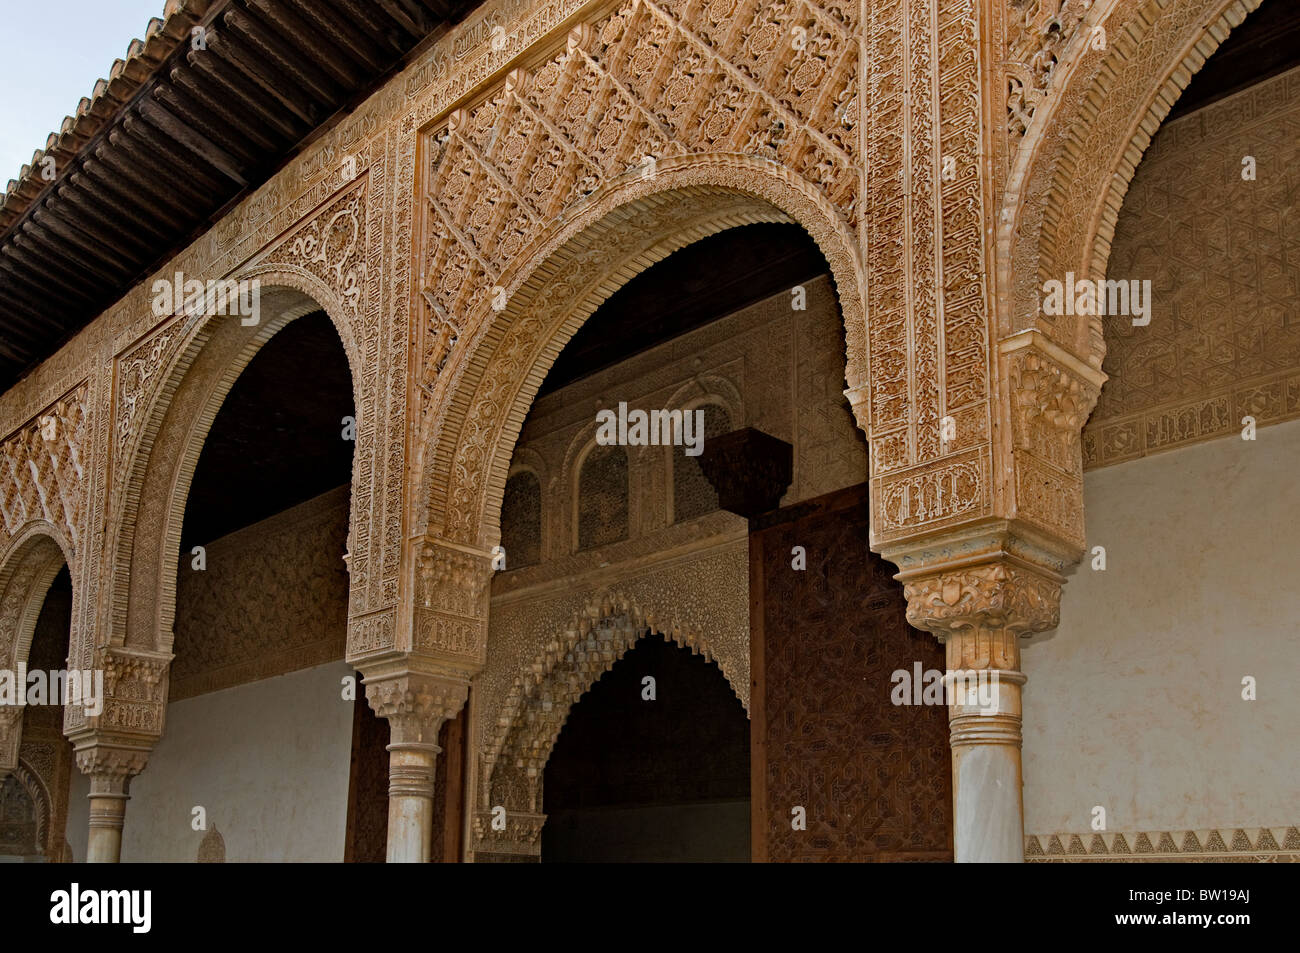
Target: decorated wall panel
273,599
1223,258
873,778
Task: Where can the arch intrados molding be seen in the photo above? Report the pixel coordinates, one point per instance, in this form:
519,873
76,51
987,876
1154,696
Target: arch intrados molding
30,563
1083,96
147,601
42,802
778,196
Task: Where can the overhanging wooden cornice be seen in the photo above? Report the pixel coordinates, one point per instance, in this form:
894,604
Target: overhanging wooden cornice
173,137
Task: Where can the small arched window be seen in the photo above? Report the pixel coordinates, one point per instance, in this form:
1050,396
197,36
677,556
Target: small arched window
602,498
693,494
521,520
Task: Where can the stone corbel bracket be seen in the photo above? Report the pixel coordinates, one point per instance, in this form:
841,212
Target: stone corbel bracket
1050,395
522,837
134,703
449,622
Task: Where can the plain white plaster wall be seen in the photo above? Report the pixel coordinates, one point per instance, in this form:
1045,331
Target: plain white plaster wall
1134,703
269,761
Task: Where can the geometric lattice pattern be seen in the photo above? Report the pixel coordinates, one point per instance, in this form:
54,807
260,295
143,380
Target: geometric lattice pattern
521,520
693,494
658,79
602,498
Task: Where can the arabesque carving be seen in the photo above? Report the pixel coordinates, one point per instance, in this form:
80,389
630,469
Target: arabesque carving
42,468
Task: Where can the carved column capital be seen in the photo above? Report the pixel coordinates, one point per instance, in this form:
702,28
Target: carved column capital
415,703
997,595
111,767
981,591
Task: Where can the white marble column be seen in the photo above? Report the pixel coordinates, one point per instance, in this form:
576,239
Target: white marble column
415,705
110,769
980,613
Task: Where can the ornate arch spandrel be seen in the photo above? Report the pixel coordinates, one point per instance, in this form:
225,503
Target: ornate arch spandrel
1069,176
156,482
640,98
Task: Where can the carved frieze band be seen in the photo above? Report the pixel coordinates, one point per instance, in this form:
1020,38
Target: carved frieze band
1237,845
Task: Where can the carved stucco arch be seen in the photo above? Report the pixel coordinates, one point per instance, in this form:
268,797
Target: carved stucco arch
42,803
211,355
1079,155
617,234
28,567
540,700
27,570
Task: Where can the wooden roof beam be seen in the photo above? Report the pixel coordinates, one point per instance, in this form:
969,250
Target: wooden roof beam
93,220
32,234
294,62
45,218
193,141
333,60
144,144
273,81
362,49
227,128
229,77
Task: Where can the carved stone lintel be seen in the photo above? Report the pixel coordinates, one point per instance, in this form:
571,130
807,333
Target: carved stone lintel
749,469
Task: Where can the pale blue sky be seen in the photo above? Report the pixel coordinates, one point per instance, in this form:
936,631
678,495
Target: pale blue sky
51,54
